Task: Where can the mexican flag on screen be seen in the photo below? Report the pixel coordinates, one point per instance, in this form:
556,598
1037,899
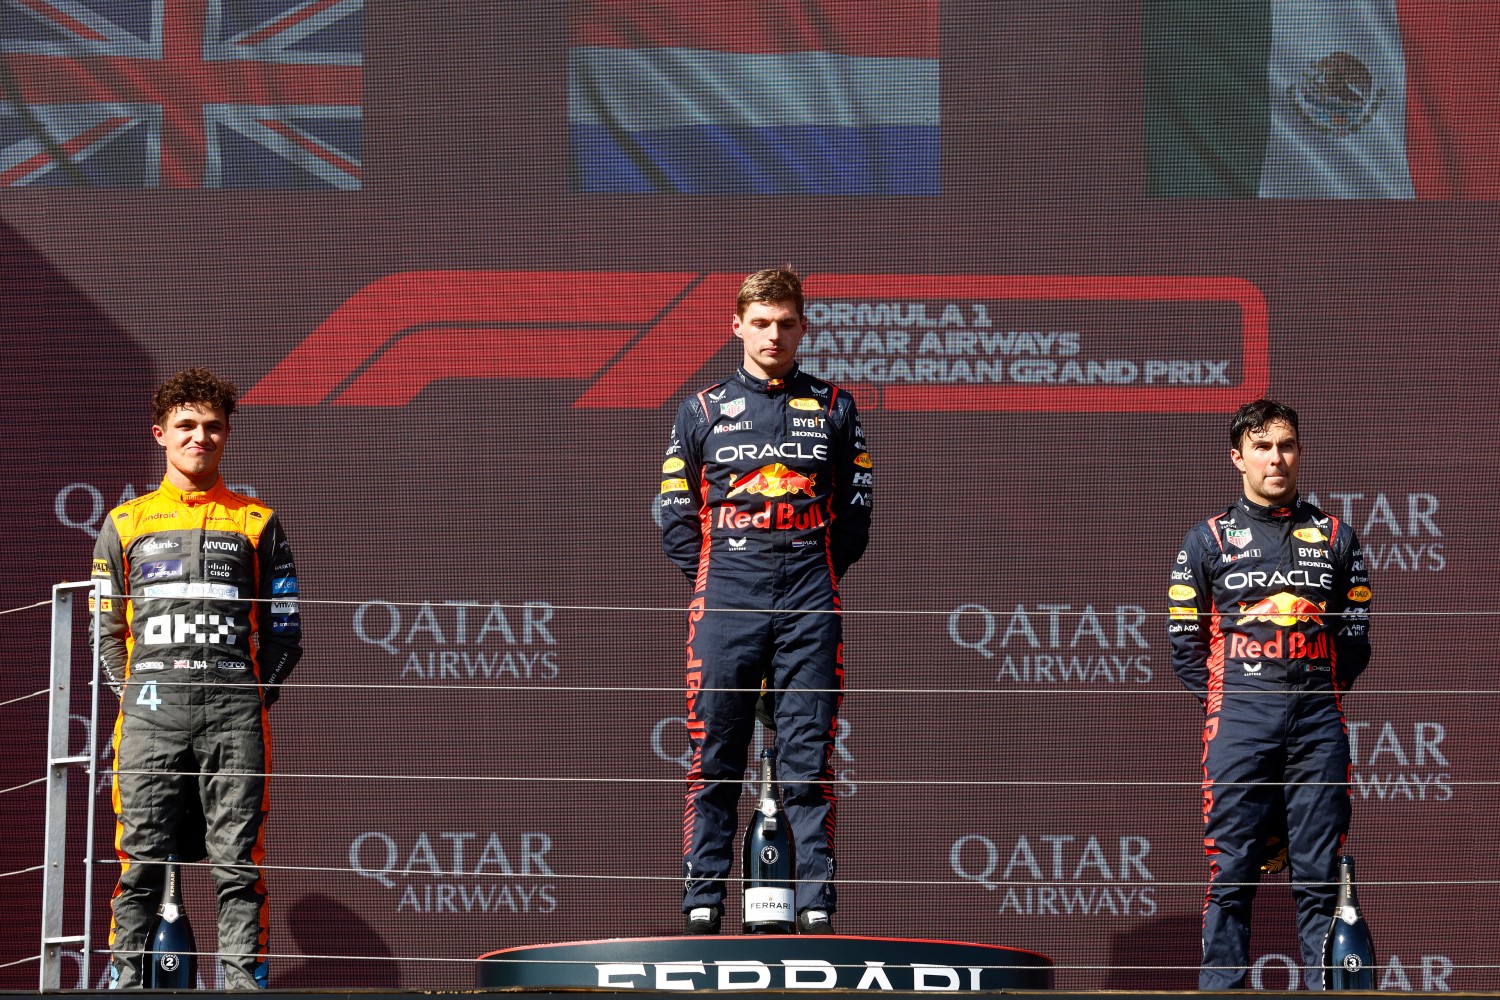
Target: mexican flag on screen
1322,98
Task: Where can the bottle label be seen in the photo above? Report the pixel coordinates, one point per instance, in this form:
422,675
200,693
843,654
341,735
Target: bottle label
764,904
1348,914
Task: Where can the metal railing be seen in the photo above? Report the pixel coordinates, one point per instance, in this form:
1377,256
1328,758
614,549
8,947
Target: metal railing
59,760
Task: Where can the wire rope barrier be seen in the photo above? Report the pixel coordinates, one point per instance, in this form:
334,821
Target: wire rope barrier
1024,840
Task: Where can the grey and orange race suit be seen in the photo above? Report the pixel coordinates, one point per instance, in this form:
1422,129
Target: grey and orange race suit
198,625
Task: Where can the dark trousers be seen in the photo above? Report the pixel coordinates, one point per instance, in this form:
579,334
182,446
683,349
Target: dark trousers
153,809
1254,744
796,647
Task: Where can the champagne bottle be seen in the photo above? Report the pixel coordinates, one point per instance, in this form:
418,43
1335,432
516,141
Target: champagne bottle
768,861
1348,950
171,962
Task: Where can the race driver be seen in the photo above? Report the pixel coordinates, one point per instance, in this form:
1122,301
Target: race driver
196,664
765,503
1268,618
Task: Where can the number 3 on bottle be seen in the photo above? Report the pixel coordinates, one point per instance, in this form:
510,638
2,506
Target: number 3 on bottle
148,696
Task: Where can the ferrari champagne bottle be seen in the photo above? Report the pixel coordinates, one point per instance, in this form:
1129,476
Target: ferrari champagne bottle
171,962
1348,950
768,861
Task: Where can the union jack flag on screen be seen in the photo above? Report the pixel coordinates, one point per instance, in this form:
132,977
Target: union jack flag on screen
257,94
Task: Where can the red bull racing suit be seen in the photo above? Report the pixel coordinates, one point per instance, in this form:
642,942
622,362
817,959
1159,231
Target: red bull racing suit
1268,619
195,664
765,503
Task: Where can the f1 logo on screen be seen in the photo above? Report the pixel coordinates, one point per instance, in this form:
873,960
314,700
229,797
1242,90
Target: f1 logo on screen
912,342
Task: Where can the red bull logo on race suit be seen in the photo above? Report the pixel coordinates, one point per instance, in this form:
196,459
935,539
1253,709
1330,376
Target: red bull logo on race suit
1286,610
773,481
1281,609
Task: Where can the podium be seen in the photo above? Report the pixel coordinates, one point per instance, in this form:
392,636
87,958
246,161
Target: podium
770,963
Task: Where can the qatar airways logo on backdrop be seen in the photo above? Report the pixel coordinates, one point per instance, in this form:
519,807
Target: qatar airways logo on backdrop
459,872
1424,973
1399,532
635,339
1061,642
1397,762
1060,874
435,642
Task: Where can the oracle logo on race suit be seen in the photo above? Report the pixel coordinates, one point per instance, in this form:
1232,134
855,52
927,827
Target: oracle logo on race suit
1060,874
1398,533
1400,762
636,339
459,872
462,640
1056,642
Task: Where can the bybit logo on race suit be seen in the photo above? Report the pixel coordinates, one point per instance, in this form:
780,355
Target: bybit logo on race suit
1281,609
459,872
1060,874
773,480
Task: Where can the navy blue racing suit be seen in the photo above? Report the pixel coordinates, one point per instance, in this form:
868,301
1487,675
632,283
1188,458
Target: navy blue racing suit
1269,622
765,502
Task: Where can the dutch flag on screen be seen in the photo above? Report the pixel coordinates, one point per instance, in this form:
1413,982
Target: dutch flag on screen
774,97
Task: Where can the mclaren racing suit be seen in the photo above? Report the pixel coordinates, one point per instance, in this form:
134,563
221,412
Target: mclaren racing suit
1269,623
765,502
191,658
